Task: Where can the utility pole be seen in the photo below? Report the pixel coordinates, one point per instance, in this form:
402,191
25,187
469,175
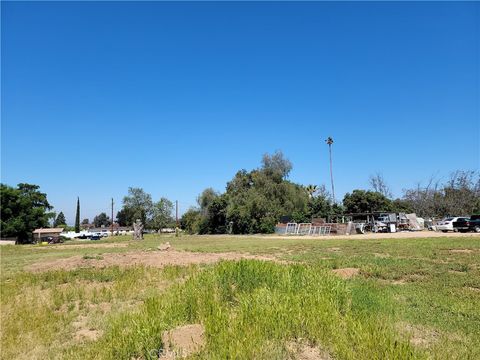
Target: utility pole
176,217
329,141
112,216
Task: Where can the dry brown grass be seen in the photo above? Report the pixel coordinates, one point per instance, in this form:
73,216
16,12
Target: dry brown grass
158,259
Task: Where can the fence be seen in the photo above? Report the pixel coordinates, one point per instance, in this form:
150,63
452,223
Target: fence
307,229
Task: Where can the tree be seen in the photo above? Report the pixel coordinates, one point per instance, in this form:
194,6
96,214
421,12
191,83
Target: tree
101,220
77,217
462,193
60,220
190,221
215,220
124,217
459,196
85,222
138,205
22,209
423,200
277,164
205,199
255,201
329,142
361,201
401,206
320,205
379,185
162,214
311,190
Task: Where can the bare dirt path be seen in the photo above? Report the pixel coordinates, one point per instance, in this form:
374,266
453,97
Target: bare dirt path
398,235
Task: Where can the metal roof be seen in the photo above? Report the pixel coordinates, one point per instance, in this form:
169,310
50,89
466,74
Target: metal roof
48,231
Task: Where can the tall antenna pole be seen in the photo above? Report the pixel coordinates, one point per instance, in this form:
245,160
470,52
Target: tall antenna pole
112,217
329,141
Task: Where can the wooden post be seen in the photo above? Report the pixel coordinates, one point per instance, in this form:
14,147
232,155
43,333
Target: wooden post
176,217
112,217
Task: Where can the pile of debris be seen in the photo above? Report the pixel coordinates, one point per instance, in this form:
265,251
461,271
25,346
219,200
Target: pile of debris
359,223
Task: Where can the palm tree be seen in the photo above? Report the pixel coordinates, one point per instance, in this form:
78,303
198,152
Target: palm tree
329,141
311,189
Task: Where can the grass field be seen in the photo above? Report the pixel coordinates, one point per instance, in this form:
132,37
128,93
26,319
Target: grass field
411,298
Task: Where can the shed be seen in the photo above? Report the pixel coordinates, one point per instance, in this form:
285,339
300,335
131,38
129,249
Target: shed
46,234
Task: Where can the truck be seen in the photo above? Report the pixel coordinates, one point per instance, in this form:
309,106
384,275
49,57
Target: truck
467,224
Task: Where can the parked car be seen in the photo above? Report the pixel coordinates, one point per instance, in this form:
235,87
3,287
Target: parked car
467,224
95,237
446,224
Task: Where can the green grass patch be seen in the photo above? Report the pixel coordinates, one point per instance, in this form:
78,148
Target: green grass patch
426,290
250,310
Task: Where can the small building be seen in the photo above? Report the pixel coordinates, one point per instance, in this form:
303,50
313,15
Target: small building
47,234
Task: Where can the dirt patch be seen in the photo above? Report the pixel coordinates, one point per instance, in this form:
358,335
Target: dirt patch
183,341
381,236
407,279
471,288
415,277
381,255
151,258
303,351
457,272
333,249
83,332
346,273
85,284
419,335
461,251
88,244
103,307
87,334
165,247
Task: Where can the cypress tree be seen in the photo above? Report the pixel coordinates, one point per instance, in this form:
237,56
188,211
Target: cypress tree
77,217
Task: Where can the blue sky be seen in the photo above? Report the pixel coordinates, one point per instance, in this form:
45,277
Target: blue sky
176,97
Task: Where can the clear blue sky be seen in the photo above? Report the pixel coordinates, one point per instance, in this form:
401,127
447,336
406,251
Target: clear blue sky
176,97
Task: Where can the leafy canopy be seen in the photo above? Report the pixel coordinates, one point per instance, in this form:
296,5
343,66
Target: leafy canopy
23,209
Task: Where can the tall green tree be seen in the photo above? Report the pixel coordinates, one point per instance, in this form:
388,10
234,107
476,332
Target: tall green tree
253,202
137,205
22,209
205,199
191,220
77,217
161,214
60,220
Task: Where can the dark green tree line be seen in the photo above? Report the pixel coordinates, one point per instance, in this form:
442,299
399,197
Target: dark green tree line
23,209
